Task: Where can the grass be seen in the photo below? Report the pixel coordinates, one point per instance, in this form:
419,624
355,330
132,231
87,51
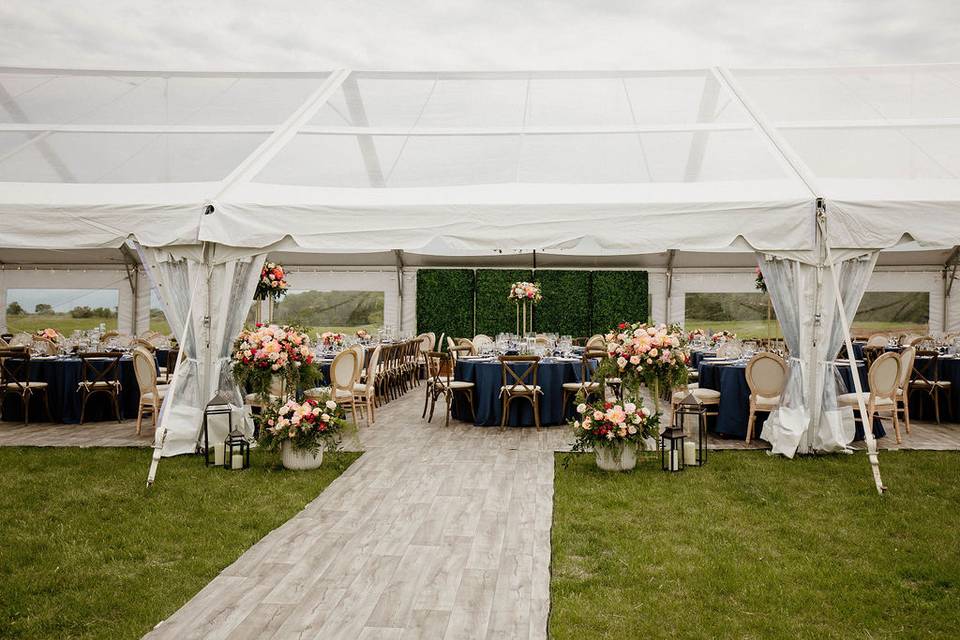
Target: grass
62,322
87,552
752,546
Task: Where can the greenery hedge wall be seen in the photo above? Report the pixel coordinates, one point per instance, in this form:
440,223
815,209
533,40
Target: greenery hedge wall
445,301
576,303
565,308
618,296
496,314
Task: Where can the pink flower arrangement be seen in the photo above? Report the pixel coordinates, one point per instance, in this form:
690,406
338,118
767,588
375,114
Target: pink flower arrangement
759,282
362,334
332,339
272,283
273,347
720,337
521,291
606,424
304,424
49,334
696,334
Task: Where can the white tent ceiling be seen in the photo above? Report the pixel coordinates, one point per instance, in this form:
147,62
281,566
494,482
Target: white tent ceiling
483,165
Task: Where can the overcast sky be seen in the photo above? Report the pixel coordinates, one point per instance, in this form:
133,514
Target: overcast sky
477,34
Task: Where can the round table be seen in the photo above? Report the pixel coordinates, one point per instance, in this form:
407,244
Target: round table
487,377
730,379
62,375
921,403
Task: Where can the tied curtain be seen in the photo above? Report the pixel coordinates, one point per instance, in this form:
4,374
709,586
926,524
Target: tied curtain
809,419
205,300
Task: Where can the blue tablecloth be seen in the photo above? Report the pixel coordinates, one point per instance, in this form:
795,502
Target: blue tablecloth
488,378
921,403
62,375
325,365
734,411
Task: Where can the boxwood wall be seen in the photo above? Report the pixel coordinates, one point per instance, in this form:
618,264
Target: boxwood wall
445,301
496,314
618,296
565,308
576,303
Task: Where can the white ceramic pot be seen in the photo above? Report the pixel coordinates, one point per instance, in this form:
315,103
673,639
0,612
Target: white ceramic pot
617,457
300,460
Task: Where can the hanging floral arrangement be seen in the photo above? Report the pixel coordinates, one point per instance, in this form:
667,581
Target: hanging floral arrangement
273,282
760,283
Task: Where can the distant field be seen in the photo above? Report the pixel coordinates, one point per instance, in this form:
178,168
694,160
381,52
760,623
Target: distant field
761,329
63,323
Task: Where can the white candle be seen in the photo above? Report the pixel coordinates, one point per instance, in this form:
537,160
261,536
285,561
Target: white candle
237,461
690,453
218,454
674,460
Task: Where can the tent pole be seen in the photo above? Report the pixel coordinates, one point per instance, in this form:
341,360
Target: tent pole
668,276
949,275
867,420
399,254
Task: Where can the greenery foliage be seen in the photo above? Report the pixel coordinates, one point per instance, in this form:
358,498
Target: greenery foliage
445,301
565,308
87,554
496,314
754,546
618,296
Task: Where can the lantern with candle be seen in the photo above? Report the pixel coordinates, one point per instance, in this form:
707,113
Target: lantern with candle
236,451
690,416
671,449
217,424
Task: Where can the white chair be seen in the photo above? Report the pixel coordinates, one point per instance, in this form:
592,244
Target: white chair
343,374
481,340
151,394
878,340
884,375
730,349
596,341
766,377
907,356
365,392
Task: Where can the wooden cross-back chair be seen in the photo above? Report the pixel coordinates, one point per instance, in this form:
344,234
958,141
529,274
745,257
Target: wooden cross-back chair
440,382
926,378
520,383
15,379
587,385
100,373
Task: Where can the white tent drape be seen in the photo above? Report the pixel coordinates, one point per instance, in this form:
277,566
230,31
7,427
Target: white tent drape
834,431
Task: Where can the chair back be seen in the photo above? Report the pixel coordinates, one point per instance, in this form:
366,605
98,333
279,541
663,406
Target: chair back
467,342
878,340
439,367
519,373
596,341
140,342
373,364
433,341
462,350
766,374
884,375
361,355
872,353
481,339
926,367
343,370
99,366
439,344
586,363
145,368
15,368
451,343
907,357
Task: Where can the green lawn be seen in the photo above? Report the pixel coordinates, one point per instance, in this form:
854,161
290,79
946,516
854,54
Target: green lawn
87,552
752,546
755,329
62,322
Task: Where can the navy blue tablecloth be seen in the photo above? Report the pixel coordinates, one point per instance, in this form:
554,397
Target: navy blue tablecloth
734,411
62,375
488,378
921,402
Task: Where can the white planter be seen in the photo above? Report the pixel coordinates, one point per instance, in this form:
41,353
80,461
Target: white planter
300,460
618,457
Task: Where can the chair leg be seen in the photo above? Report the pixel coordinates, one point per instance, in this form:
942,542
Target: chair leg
906,411
750,424
446,420
473,413
504,408
896,424
139,418
563,405
936,405
535,401
25,399
433,403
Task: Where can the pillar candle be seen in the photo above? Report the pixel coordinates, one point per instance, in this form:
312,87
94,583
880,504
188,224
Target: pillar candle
237,461
674,460
218,453
690,453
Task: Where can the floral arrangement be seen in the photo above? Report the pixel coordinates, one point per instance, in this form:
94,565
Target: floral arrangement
655,354
362,334
696,334
306,425
48,334
722,336
521,291
272,283
270,351
760,283
332,339
602,424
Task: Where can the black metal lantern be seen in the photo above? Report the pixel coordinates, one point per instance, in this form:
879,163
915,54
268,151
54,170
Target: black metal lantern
217,424
236,451
694,450
671,449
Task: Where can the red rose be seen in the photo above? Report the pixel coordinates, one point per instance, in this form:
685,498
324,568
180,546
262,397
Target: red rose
607,405
622,325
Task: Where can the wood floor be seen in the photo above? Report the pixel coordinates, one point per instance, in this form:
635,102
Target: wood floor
435,532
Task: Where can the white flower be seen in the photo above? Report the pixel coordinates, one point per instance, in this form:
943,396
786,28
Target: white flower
325,417
331,404
629,407
581,408
631,429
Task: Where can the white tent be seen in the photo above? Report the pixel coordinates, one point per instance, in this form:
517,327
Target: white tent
208,172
